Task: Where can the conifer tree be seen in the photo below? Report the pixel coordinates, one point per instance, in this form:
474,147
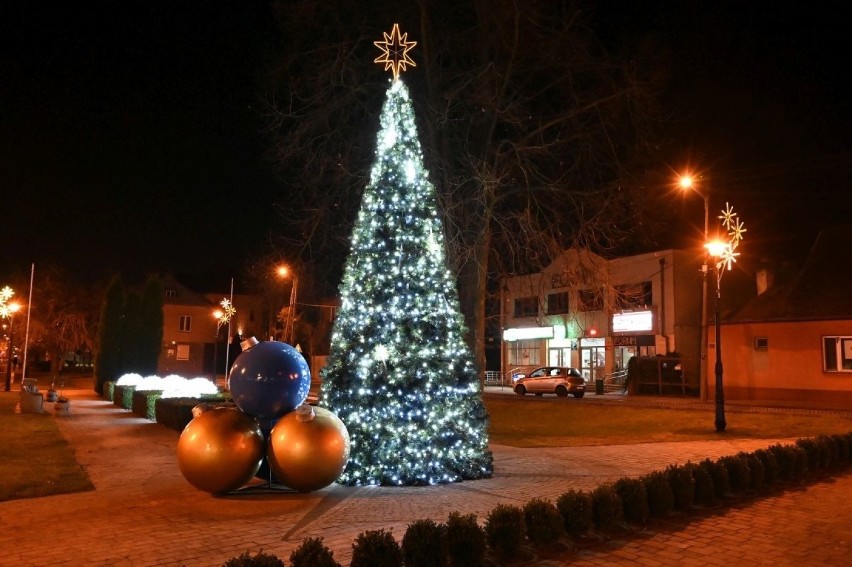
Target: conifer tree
400,375
110,332
151,327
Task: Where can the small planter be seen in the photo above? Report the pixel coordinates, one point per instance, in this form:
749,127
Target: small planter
62,407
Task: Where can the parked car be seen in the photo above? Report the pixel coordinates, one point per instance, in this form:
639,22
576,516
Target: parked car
559,380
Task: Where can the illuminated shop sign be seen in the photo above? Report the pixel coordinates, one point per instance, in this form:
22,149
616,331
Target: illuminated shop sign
518,334
633,322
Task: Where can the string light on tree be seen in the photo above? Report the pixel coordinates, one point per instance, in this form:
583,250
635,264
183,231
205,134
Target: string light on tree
399,373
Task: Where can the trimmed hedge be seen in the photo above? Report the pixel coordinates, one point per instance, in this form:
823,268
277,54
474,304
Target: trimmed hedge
462,542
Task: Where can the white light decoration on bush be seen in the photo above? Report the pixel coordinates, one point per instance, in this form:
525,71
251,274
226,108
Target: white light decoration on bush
414,416
130,379
172,386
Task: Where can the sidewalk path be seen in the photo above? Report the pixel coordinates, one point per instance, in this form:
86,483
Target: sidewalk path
143,513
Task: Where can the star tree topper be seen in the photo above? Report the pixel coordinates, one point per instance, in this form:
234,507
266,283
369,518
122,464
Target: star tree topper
395,50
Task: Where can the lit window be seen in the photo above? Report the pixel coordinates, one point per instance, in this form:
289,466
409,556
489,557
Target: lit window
182,352
185,324
524,353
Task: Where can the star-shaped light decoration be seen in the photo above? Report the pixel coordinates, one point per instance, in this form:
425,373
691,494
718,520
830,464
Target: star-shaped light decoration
735,227
5,295
395,50
228,311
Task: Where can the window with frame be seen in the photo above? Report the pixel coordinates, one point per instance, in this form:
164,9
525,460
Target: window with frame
525,352
526,307
557,303
171,293
185,323
837,354
633,296
182,352
589,300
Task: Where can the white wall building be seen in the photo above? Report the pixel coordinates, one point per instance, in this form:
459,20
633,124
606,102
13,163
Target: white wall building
595,314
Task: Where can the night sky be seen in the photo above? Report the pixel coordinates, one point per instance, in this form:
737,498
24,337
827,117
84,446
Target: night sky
130,132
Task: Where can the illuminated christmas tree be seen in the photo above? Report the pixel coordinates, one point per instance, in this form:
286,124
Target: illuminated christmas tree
400,375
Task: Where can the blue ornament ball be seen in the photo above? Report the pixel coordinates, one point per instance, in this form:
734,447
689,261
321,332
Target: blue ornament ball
268,380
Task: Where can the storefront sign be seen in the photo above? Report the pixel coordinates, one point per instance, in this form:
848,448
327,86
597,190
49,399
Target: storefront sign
635,321
518,334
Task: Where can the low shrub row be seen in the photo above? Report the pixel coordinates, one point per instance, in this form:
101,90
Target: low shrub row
513,533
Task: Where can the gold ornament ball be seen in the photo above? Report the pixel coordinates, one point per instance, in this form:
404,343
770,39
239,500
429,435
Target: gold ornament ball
308,448
220,450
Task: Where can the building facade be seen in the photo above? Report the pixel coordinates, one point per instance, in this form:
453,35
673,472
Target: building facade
793,342
595,314
194,342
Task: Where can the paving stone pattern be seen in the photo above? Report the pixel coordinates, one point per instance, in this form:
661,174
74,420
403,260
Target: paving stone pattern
143,513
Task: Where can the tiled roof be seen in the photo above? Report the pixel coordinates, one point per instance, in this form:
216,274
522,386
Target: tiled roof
178,294
822,290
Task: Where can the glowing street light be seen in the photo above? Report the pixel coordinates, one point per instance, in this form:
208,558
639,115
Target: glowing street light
283,271
725,253
687,183
7,311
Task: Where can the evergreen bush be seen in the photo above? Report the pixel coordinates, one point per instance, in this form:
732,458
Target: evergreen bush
841,445
634,500
423,544
109,390
705,491
606,507
313,553
828,452
757,474
660,495
813,453
465,540
577,511
505,530
799,462
739,476
376,548
258,560
143,403
770,465
719,473
792,461
682,483
543,522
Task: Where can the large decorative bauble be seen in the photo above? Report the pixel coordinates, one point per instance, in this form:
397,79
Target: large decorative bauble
220,450
308,448
269,379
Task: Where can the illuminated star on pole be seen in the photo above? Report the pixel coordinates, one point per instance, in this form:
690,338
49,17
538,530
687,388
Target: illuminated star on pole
395,50
735,227
228,311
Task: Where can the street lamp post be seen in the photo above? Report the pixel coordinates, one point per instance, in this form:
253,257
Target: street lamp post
290,323
687,183
720,422
725,254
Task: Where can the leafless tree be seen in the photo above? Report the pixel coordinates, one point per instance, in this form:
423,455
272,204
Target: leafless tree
63,314
531,132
